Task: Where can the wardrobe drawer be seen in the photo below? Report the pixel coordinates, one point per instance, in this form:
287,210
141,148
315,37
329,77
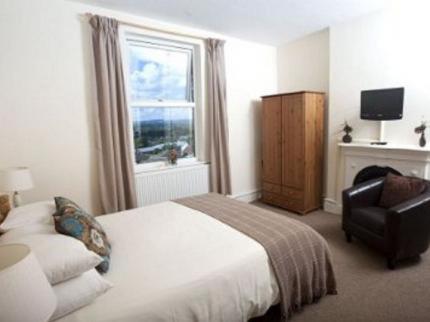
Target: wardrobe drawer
292,193
284,202
270,187
273,199
295,205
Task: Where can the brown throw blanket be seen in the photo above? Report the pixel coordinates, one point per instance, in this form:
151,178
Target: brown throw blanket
300,257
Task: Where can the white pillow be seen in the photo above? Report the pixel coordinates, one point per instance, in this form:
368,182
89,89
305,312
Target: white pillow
61,257
38,212
78,292
28,230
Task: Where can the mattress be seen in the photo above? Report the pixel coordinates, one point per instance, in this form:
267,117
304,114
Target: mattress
172,263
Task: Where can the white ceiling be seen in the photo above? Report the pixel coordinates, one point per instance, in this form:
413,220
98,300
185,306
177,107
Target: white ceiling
265,21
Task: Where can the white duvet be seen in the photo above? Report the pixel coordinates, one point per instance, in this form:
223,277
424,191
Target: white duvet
172,263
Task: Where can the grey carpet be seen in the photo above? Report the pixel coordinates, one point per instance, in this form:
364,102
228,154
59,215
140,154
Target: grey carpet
368,291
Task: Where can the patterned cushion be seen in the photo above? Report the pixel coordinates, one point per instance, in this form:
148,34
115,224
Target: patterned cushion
71,220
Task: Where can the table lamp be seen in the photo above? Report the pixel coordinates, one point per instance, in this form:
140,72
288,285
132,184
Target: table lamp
26,295
14,180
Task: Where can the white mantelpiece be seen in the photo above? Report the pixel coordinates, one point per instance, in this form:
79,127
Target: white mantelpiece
408,159
389,146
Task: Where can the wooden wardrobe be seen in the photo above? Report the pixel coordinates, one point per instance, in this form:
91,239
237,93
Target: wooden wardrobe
293,149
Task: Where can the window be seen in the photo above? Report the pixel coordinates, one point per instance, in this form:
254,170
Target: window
160,80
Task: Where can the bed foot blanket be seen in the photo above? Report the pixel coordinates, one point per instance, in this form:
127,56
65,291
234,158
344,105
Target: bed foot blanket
299,256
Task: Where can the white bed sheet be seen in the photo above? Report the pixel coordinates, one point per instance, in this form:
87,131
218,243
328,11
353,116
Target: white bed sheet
172,263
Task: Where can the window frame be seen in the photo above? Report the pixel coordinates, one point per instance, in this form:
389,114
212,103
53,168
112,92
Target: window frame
130,34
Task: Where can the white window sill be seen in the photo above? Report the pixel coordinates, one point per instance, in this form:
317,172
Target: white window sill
164,167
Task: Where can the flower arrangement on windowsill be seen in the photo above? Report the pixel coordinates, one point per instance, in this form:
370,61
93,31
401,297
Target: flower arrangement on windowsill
172,155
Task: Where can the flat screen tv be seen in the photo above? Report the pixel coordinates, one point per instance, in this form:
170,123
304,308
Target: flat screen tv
382,104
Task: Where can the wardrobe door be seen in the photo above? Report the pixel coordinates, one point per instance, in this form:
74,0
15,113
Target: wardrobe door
314,149
293,144
271,147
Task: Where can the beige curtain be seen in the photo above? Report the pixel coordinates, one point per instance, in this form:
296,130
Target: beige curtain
116,176
219,151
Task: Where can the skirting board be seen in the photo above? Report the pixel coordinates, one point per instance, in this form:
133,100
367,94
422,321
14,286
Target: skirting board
332,206
247,196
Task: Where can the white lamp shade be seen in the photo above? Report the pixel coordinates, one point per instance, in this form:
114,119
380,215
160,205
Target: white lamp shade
26,295
15,179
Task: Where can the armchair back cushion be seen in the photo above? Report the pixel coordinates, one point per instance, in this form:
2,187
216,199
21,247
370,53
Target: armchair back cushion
398,189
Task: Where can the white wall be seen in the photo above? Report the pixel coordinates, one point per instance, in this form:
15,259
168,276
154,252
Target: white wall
384,49
251,71
46,105
45,118
304,64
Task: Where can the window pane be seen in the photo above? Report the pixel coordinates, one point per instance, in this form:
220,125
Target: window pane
160,129
160,73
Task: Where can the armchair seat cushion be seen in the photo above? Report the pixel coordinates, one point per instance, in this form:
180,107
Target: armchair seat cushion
370,218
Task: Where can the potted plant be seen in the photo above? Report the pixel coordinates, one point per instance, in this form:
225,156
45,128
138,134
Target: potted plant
421,130
173,156
347,138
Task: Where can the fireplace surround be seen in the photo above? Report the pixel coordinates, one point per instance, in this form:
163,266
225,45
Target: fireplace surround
373,172
408,160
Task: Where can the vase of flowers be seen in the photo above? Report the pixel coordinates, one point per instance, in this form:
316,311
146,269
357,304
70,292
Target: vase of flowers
347,138
421,130
173,156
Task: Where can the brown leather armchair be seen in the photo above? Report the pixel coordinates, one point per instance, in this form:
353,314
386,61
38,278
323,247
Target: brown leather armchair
399,232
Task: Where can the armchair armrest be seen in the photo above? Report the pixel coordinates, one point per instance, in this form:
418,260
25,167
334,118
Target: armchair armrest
420,203
408,226
365,194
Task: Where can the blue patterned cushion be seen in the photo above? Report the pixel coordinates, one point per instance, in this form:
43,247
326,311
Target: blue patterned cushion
71,220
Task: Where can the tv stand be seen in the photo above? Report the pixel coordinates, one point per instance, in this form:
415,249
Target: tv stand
381,140
378,143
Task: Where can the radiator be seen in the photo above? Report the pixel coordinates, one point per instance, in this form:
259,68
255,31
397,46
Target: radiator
169,184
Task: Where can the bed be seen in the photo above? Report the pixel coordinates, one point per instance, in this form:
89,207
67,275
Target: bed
202,258
174,263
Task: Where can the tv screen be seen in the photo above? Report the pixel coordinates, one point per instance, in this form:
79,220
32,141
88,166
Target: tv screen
382,104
